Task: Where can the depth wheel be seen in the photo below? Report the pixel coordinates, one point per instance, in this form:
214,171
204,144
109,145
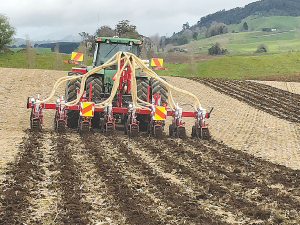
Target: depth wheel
35,125
61,126
171,130
180,133
205,134
194,132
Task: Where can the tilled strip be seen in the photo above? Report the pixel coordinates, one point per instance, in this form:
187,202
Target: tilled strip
220,180
21,184
277,102
71,208
103,207
182,205
133,204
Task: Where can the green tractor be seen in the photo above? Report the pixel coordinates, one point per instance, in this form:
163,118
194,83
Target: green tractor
101,83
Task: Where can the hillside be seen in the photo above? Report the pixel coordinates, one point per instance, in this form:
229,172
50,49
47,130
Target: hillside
280,23
263,8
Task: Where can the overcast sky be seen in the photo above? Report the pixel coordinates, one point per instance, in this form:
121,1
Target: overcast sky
39,18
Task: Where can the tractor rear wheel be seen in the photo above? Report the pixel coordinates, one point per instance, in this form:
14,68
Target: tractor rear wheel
142,88
158,87
97,90
97,87
71,94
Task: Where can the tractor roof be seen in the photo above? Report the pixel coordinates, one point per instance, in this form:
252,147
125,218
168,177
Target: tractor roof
118,40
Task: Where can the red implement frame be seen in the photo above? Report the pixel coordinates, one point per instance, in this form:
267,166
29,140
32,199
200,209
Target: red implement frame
177,128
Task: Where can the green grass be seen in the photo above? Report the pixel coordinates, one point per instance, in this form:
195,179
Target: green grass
42,61
285,39
236,67
42,50
37,50
282,23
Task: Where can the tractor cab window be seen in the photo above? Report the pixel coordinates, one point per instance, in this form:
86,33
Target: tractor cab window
106,51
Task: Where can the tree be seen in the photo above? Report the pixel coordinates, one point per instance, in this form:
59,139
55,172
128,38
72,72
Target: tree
6,31
245,25
262,48
89,42
185,26
195,35
216,49
155,39
216,29
105,31
182,40
126,30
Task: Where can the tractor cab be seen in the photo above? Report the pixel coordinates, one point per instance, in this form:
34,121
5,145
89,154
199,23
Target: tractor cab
106,47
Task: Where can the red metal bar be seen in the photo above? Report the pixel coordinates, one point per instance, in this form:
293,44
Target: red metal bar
90,92
116,110
81,70
148,93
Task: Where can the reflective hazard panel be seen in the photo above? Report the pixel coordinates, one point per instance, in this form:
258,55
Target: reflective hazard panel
160,113
157,62
87,109
77,56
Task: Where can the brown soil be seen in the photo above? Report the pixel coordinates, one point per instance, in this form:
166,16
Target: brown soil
151,181
277,102
293,87
290,77
97,179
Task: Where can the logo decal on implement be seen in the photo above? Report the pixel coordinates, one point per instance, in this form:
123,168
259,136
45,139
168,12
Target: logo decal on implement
160,113
87,109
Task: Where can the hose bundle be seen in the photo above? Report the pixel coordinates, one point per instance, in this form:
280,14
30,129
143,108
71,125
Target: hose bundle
134,63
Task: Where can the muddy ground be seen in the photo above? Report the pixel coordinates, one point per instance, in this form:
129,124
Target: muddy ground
47,178
290,77
100,179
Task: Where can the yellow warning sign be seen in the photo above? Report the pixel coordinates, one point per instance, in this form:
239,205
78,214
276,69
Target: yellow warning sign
157,62
160,113
87,109
77,56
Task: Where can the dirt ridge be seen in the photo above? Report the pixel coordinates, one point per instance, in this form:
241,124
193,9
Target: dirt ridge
277,102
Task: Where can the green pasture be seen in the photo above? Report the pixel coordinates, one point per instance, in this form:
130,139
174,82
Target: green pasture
237,67
48,61
247,42
281,23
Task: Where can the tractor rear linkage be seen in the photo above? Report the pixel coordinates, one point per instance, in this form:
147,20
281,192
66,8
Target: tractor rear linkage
156,113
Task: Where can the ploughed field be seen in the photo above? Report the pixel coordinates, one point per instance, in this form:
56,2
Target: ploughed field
248,173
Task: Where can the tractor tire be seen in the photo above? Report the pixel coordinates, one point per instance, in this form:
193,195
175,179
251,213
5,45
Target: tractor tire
158,87
71,94
142,88
97,90
97,87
